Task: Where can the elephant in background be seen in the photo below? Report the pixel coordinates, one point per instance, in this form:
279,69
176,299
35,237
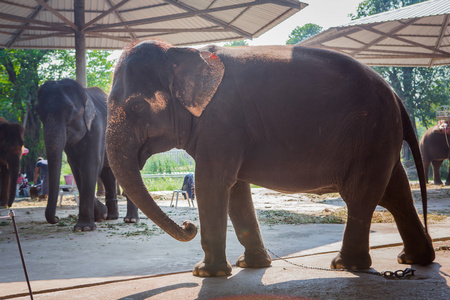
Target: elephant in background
74,120
292,119
11,148
434,146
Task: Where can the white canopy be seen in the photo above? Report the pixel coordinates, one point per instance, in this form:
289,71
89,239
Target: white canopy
416,35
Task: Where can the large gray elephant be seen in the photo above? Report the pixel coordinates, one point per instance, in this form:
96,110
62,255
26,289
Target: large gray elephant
74,120
434,146
292,119
11,147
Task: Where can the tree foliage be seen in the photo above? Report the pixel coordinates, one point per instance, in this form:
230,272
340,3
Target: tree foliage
240,43
299,34
421,89
99,67
371,7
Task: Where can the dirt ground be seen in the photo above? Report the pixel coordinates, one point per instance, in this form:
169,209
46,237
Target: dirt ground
273,208
56,254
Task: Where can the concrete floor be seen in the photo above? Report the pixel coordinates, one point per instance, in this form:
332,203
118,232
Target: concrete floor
100,265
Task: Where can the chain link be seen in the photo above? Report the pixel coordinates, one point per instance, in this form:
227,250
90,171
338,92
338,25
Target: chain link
408,272
442,248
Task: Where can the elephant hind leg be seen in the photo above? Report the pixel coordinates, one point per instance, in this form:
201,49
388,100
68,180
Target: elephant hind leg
418,247
361,192
437,172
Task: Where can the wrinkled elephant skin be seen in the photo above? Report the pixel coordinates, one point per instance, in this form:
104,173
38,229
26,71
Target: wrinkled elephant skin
292,119
11,147
74,120
434,146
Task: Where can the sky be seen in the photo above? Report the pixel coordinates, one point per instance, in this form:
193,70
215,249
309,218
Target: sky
326,13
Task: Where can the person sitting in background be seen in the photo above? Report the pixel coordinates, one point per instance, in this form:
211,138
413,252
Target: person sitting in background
41,170
22,186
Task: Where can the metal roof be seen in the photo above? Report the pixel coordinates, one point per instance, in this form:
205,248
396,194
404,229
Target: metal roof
416,35
110,24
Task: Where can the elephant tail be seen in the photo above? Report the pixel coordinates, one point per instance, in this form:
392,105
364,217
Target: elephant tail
410,137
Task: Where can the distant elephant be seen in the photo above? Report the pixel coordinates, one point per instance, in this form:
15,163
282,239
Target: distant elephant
435,149
11,147
292,119
74,120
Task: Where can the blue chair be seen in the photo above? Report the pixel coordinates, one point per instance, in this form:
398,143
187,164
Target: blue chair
187,190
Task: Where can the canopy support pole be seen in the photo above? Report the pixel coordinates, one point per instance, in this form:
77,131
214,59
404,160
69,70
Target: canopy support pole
80,43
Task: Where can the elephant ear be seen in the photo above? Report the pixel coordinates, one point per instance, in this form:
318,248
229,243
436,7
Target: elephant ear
89,113
196,77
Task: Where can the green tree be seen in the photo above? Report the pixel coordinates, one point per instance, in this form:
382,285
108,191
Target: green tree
99,68
371,7
302,33
236,44
421,89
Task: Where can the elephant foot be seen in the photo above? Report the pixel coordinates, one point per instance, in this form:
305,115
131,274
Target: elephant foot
351,261
113,209
131,219
132,213
100,211
447,183
254,259
438,183
203,269
84,226
413,256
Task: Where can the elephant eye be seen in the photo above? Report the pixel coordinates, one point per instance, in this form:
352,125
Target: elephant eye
137,106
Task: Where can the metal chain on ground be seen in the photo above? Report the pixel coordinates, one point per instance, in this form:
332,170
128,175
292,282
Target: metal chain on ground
442,248
408,272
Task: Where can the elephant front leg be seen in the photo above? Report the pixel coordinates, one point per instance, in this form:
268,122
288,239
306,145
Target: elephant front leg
132,212
212,207
4,186
243,216
91,209
109,182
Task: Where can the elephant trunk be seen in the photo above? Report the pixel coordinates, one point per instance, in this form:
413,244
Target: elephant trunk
123,158
54,144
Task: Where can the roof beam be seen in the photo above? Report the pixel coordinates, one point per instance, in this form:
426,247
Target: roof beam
273,21
56,13
213,19
398,53
145,30
28,20
180,15
441,36
369,28
36,28
41,36
397,29
290,3
119,16
21,31
112,8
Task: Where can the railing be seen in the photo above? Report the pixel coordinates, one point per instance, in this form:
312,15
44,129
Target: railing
173,175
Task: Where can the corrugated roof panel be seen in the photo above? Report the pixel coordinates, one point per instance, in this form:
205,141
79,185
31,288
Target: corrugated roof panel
350,43
108,31
423,9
